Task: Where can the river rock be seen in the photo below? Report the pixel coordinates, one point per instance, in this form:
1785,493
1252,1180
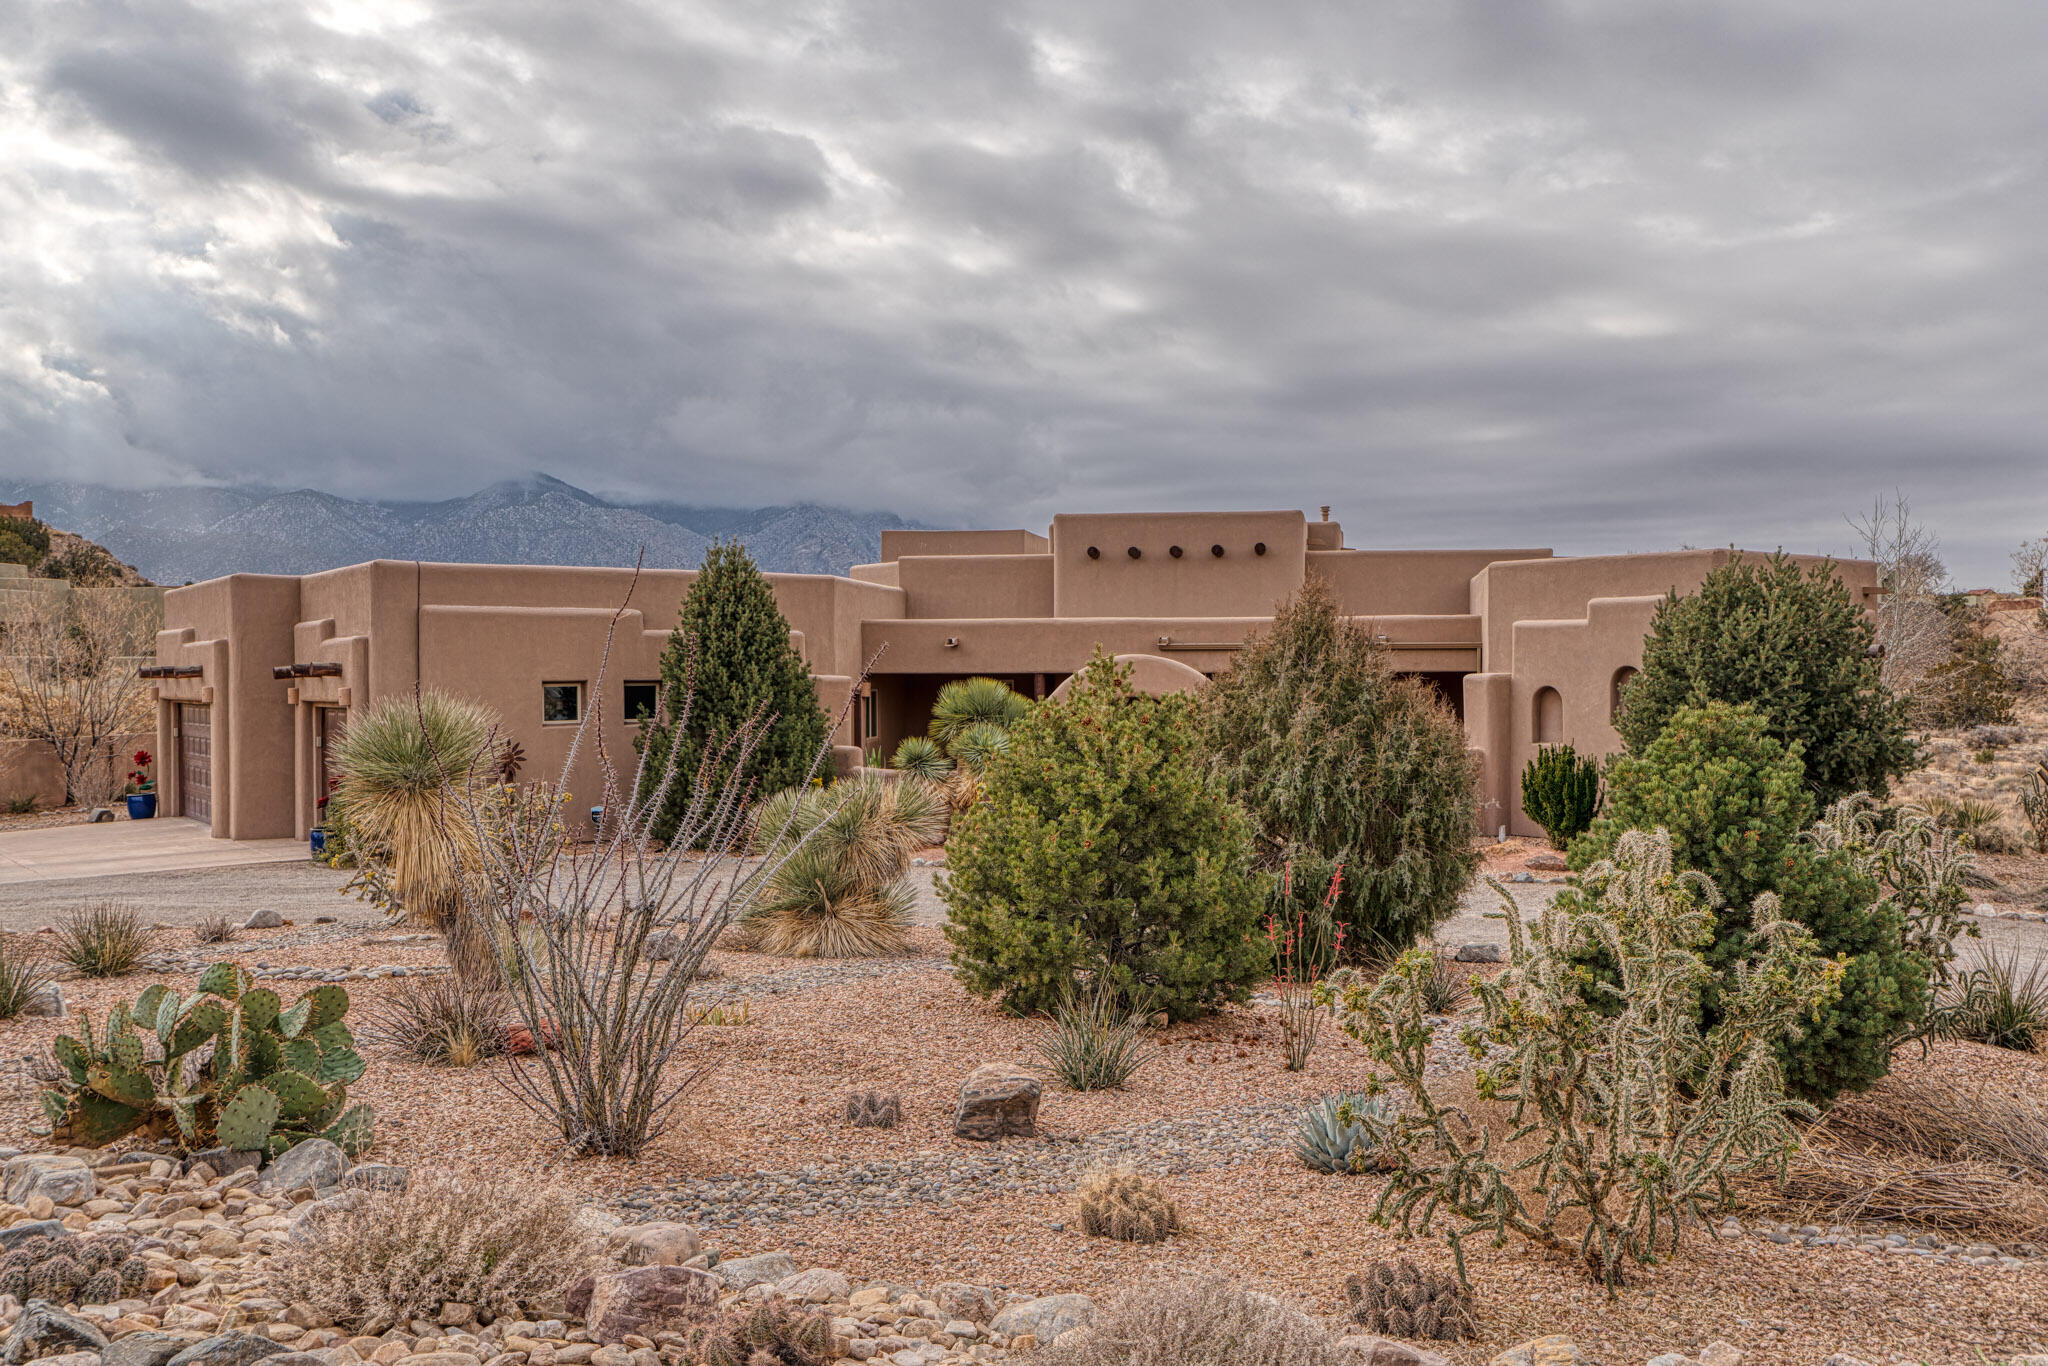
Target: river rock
1546,863
626,1302
1045,1319
43,1330
265,919
816,1286
962,1300
1480,953
228,1349
315,1162
46,1001
10,1238
63,1179
143,1349
1368,1349
997,1099
739,1273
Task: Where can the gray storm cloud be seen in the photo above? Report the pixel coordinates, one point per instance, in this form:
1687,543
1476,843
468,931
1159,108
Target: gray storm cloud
1600,275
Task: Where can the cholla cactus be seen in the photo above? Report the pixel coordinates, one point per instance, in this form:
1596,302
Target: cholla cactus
1118,1203
873,1110
1642,1118
1923,869
1403,1300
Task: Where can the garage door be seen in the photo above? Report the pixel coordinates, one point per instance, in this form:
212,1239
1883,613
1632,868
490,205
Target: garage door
195,761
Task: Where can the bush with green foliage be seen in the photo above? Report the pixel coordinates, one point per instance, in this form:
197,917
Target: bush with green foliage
1342,761
1794,646
1096,1040
1103,843
729,658
1975,687
24,540
1735,802
1633,1114
922,757
228,1065
1561,792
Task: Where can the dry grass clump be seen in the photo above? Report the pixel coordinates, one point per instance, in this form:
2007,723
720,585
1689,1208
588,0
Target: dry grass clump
1918,1150
22,978
1195,1322
215,929
102,939
1116,1202
379,1258
440,1021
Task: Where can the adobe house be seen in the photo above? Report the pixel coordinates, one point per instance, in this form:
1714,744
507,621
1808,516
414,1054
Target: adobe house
255,673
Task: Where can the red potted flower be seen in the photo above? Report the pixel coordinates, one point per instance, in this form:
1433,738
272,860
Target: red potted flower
141,787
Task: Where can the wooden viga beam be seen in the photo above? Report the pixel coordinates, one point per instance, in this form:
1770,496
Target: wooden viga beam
306,671
169,671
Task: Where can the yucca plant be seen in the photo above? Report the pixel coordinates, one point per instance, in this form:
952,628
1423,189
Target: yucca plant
1561,792
22,978
1096,1040
979,745
2001,1002
839,890
402,763
1443,991
922,758
103,939
967,702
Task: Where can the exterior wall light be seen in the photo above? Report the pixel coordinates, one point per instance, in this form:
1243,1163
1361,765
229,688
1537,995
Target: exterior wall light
952,642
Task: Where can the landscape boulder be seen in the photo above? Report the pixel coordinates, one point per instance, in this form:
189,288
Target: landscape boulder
228,1349
995,1100
627,1302
143,1349
265,919
660,1242
1547,863
1554,1350
45,1330
1045,1319
962,1300
10,1238
221,1161
315,1163
46,1001
816,1286
1480,953
58,1177
763,1268
1368,1349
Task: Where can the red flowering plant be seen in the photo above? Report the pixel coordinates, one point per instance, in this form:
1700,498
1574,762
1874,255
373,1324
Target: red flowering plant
140,779
1306,941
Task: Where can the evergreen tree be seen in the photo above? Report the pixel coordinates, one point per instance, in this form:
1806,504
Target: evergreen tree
1341,761
1103,843
744,662
1793,646
1737,805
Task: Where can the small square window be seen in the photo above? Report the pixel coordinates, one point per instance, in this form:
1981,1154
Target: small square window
561,702
641,700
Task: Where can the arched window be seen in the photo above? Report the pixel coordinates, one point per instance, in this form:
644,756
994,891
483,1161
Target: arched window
1548,716
1616,692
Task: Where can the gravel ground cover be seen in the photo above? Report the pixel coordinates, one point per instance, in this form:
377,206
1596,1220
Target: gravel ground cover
761,1153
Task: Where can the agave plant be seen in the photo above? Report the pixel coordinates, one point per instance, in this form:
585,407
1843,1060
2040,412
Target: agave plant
922,758
1337,1134
275,1075
969,702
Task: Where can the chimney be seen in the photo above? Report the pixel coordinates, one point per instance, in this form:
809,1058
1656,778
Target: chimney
1326,512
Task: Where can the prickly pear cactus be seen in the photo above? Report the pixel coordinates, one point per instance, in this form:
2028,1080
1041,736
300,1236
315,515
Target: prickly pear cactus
276,1074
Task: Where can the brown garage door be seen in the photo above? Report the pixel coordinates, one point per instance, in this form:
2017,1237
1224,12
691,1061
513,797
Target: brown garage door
195,761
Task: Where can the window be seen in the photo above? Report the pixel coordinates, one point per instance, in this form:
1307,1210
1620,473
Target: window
1548,716
561,702
641,697
867,716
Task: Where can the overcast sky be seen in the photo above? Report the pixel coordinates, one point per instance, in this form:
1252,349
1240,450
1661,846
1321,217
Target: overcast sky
1595,275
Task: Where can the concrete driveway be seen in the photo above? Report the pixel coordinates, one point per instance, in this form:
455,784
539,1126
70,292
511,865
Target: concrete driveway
113,848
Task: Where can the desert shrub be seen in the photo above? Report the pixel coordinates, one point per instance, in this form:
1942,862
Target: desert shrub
873,1110
840,889
22,805
23,977
1561,792
24,540
1443,991
1096,1040
1102,843
729,664
1640,1116
440,1021
1116,1202
1794,647
1401,1300
966,703
922,758
382,1258
2034,806
1336,1134
1195,1322
215,929
102,939
1735,803
2003,1001
98,1269
407,766
1342,762
1975,686
1981,822
767,1334
1305,944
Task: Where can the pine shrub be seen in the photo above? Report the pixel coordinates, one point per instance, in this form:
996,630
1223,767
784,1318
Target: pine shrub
1792,645
1103,843
729,657
1341,761
1561,792
1735,802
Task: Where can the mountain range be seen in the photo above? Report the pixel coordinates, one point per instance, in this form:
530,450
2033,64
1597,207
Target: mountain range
183,535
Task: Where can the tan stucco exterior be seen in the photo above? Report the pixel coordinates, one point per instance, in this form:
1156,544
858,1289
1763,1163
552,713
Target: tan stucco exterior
1527,646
